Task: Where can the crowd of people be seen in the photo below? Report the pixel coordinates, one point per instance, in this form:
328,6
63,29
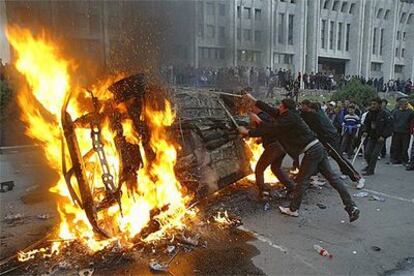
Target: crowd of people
272,78
314,131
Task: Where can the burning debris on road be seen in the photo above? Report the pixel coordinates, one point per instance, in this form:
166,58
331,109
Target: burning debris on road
133,159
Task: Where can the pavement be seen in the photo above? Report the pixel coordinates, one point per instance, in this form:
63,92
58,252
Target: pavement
380,242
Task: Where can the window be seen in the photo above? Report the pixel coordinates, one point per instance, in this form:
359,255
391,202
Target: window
211,53
398,68
290,29
238,34
374,42
247,13
397,52
376,67
339,36
200,9
210,9
257,36
249,56
410,18
238,12
247,34
325,6
257,14
335,6
352,8
403,52
222,33
344,5
381,41
403,17
323,32
404,36
283,58
331,35
398,35
387,14
211,31
222,9
379,14
281,28
200,31
348,30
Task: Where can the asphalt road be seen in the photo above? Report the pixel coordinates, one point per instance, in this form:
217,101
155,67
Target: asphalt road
281,245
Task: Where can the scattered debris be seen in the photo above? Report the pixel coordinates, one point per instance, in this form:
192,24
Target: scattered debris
43,216
190,241
354,252
321,206
8,184
375,248
32,188
157,266
13,218
266,206
170,249
86,272
378,209
342,221
361,194
322,251
377,198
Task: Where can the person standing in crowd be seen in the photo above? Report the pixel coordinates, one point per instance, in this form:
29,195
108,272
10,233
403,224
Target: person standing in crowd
402,118
296,138
377,126
350,128
384,104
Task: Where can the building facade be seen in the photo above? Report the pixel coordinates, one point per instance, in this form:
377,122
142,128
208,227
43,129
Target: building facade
371,38
4,46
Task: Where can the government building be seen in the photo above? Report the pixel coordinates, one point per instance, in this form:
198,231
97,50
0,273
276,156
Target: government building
370,38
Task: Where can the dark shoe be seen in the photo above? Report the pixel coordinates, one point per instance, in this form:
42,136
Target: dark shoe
353,213
367,173
365,169
410,168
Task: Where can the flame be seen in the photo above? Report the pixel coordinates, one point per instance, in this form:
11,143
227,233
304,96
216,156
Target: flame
222,218
257,150
48,75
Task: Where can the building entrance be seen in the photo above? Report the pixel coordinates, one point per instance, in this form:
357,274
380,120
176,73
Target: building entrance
332,65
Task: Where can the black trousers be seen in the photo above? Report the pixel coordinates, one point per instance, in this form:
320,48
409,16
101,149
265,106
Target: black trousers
372,151
272,155
384,149
316,160
399,147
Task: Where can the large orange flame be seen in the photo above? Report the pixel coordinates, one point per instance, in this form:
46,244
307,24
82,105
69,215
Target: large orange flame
257,150
48,75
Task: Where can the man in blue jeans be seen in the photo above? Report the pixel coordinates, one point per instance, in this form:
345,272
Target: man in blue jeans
296,138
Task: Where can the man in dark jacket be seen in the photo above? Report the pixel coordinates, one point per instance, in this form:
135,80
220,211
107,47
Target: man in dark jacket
272,155
402,117
296,138
377,126
319,123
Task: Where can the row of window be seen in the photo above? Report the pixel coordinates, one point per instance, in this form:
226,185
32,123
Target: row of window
345,7
331,37
397,52
211,53
247,13
249,56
